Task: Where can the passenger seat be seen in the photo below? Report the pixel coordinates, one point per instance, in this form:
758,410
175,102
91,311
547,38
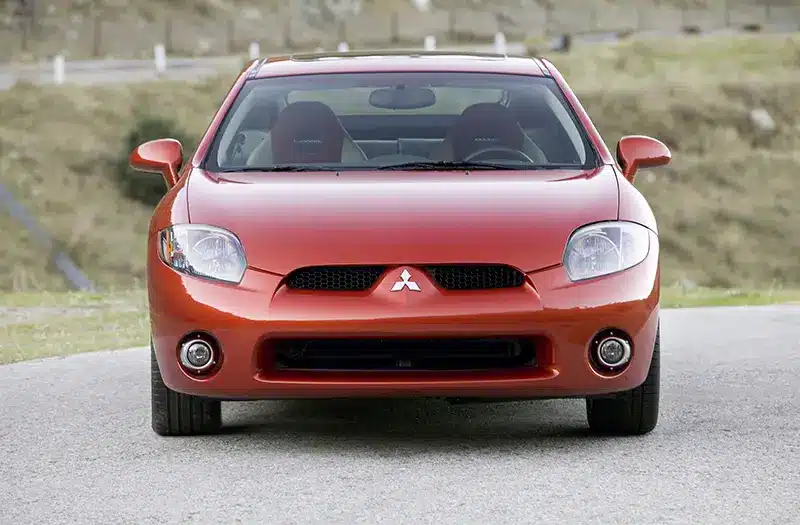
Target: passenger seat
307,132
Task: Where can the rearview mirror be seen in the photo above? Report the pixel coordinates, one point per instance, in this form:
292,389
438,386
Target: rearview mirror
164,156
402,97
637,151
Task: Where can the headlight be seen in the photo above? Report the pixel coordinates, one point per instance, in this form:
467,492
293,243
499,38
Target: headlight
203,251
604,248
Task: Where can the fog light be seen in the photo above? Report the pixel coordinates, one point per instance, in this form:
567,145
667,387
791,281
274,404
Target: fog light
613,352
197,356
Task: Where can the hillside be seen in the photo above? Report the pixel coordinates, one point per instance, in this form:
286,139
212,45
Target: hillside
121,29
727,206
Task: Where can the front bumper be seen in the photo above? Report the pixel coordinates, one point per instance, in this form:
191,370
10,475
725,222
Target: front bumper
549,307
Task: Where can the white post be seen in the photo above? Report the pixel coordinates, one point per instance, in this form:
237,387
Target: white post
430,43
500,46
255,50
160,55
343,47
58,69
422,6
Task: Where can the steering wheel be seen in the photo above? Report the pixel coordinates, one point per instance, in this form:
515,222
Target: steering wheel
506,153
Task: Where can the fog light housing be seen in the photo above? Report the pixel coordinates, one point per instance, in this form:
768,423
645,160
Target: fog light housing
611,351
197,356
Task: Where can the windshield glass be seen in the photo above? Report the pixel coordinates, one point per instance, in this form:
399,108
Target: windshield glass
408,120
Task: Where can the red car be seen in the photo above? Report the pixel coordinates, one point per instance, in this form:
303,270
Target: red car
403,224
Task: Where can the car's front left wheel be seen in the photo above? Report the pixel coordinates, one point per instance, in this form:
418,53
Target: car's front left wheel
176,414
633,412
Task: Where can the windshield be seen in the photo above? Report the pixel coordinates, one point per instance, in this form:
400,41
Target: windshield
408,120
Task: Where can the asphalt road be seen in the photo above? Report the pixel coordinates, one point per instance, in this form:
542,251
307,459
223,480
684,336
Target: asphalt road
76,447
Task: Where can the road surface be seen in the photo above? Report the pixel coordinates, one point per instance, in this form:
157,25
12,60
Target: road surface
77,447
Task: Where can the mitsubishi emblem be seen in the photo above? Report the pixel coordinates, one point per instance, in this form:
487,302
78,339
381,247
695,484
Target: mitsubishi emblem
406,281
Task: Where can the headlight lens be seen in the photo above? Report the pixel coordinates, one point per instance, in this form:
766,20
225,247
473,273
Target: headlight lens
605,248
203,251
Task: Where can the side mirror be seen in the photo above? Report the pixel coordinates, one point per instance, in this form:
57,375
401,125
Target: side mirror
637,151
164,156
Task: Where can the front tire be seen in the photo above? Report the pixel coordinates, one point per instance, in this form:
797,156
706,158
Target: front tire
633,412
176,414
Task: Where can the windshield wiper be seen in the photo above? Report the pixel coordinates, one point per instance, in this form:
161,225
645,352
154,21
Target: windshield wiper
461,165
448,165
279,167
432,165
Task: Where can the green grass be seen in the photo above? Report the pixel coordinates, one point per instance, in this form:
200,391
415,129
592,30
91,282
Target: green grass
74,333
695,62
39,325
677,297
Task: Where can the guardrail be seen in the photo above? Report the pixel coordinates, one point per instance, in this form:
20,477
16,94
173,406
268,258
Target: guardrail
70,271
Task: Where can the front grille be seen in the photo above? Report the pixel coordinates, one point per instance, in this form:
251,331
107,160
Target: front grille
335,278
447,277
403,354
475,276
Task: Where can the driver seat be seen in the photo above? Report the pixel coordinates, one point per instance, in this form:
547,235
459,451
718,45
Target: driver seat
307,132
486,125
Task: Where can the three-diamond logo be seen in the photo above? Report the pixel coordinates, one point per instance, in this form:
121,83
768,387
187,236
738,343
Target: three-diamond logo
405,282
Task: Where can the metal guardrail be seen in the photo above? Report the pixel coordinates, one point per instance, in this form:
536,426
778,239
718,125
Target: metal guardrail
62,261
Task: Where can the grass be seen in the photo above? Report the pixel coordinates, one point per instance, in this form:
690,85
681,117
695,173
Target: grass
667,64
679,297
39,325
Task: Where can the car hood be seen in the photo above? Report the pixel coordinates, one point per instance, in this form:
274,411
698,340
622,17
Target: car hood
290,220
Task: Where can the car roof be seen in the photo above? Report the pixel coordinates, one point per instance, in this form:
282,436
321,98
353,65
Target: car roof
366,62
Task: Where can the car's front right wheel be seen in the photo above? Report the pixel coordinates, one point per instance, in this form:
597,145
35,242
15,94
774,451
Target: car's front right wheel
632,412
176,414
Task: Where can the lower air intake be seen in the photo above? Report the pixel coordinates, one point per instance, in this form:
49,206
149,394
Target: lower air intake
403,354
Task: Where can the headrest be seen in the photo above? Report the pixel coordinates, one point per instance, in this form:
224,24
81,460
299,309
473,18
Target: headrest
307,133
485,125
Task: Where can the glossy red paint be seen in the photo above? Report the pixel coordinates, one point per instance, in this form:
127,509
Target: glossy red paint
637,151
163,156
243,318
289,220
173,208
633,206
521,218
